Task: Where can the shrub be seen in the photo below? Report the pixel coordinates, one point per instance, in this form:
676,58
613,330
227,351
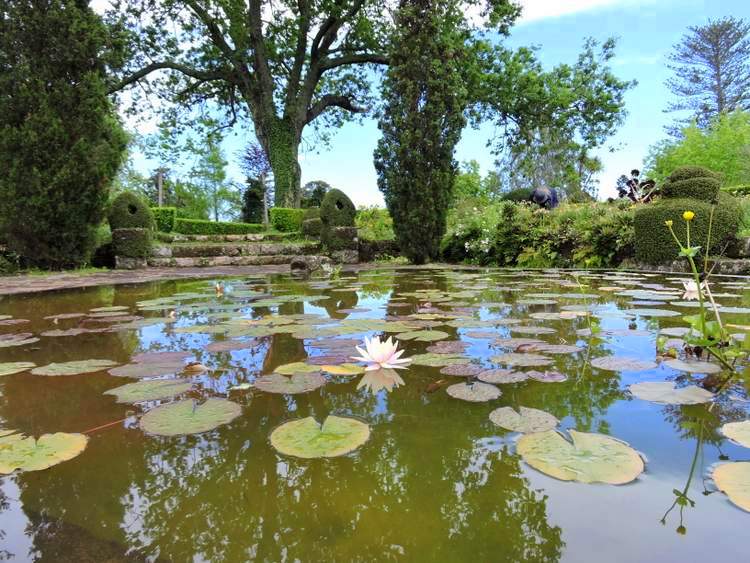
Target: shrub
287,220
739,190
252,201
337,210
654,244
342,238
691,182
201,227
311,213
132,242
374,223
128,211
519,194
164,217
312,227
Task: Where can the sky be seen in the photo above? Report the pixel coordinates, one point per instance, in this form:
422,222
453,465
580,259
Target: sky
646,32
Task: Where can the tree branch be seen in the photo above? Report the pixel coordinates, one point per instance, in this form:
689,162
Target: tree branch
330,100
202,75
375,58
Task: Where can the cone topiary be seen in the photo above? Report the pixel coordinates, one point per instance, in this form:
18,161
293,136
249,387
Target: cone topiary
128,211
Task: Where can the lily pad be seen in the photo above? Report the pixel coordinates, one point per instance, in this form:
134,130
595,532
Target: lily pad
437,360
343,369
290,385
189,417
462,370
151,390
652,312
734,480
296,367
738,432
30,454
307,439
73,368
693,366
448,347
502,376
546,348
474,392
589,458
424,335
547,376
148,369
526,420
9,368
532,330
230,345
664,392
513,343
513,359
622,363
17,339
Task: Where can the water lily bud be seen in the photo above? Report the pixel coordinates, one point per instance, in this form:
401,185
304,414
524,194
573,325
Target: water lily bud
688,215
668,223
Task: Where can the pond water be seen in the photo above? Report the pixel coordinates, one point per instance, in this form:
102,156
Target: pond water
437,480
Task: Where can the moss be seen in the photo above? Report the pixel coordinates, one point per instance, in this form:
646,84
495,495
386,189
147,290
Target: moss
655,245
164,218
312,227
132,242
128,211
287,220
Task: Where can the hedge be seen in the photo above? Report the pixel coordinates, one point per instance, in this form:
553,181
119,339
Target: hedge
654,244
337,210
132,243
312,227
740,190
685,172
287,220
128,211
201,227
703,188
164,218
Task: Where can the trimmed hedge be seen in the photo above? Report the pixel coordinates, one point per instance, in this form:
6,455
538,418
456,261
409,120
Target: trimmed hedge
132,243
685,172
311,213
164,218
703,188
201,227
128,211
342,238
312,227
740,190
654,244
337,210
287,220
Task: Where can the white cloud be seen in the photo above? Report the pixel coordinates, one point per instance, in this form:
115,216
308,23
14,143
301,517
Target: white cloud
534,10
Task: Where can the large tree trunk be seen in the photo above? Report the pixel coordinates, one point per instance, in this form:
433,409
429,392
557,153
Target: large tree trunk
281,139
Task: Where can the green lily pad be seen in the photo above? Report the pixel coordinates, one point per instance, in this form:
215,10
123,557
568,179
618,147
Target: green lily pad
73,368
547,376
474,392
462,370
343,369
307,439
621,363
546,348
188,417
738,432
514,359
30,454
652,312
734,480
109,309
450,347
532,330
297,367
502,376
693,366
526,420
148,369
9,368
664,392
589,458
513,343
437,360
424,335
290,385
17,339
151,390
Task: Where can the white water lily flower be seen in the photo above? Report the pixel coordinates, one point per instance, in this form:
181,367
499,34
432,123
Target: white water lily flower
381,354
378,379
691,290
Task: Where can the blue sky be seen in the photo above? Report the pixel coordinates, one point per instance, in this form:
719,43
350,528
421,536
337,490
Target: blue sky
647,30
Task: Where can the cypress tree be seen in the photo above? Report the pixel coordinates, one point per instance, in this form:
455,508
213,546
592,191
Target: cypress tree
425,97
60,140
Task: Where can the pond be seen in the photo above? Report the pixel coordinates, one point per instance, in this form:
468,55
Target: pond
423,475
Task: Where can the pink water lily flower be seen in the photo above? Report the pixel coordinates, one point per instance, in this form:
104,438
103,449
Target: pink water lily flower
381,354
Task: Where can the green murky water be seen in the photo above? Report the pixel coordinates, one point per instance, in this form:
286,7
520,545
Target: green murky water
436,481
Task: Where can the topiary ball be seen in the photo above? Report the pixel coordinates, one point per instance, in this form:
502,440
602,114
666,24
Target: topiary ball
692,182
128,211
337,210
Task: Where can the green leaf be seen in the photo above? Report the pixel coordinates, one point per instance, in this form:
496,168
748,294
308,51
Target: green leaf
189,417
307,439
29,454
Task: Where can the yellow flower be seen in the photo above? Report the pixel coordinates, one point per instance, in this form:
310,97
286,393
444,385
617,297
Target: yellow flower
668,223
688,215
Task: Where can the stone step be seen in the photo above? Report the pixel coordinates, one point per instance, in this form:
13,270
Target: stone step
212,261
259,237
208,250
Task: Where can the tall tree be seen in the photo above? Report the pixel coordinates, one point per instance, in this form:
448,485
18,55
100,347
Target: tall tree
60,141
425,97
313,193
210,175
711,66
257,197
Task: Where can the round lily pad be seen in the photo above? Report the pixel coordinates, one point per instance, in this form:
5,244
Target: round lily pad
343,369
738,432
734,480
151,390
674,331
290,385
437,360
230,345
666,393
652,312
693,366
448,347
621,363
502,376
67,332
296,367
73,368
424,335
589,458
189,417
546,348
462,370
9,368
526,420
514,359
17,339
547,376
513,343
474,392
307,439
148,369
30,454
532,329
481,334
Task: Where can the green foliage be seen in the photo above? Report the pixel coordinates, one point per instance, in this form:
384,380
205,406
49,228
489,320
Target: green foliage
252,201
164,217
517,234
312,227
132,242
287,220
209,174
129,211
654,243
745,206
737,190
60,140
374,223
691,182
517,195
722,146
337,210
200,227
425,95
469,183
314,192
